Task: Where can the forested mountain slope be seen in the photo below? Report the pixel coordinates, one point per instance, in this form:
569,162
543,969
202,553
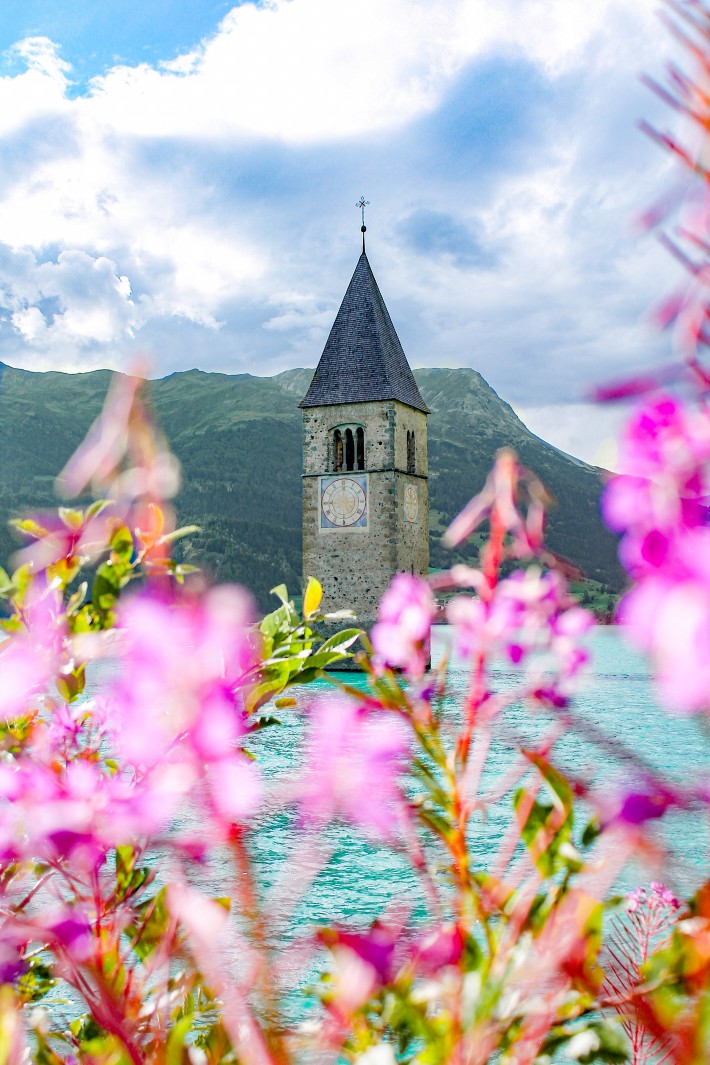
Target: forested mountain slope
239,442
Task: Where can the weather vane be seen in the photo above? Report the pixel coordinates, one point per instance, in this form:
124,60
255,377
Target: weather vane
362,203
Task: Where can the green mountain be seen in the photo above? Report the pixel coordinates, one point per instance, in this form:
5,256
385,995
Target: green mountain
238,440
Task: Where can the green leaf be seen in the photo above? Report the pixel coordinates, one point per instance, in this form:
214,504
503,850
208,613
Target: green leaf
73,519
264,722
178,534
36,982
544,830
279,621
122,544
148,929
129,880
595,1041
281,592
110,577
592,832
341,641
21,579
75,600
5,584
558,784
97,507
29,527
321,659
71,685
436,821
432,784
175,1049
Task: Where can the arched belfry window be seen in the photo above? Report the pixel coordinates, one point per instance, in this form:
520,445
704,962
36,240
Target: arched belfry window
349,450
411,452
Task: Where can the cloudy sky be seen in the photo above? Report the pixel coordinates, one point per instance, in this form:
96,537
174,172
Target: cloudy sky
179,179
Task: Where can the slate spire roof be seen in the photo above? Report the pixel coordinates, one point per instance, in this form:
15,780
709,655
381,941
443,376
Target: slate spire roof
363,358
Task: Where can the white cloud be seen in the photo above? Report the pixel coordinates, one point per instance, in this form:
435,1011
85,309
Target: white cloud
88,302
119,238
587,430
40,91
557,34
297,70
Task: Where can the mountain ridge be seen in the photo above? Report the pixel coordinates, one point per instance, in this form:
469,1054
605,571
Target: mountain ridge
238,439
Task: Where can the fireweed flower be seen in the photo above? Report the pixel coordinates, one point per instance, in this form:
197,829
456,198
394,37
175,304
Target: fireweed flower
31,657
400,637
529,612
181,666
354,758
660,504
178,698
76,813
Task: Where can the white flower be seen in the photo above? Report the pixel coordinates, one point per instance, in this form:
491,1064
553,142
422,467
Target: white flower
582,1044
382,1054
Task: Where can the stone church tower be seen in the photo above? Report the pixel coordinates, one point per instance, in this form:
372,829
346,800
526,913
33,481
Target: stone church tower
365,491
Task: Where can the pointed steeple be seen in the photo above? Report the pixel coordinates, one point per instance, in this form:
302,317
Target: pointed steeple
363,359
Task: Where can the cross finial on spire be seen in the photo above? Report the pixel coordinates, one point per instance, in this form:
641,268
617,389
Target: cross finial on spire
362,203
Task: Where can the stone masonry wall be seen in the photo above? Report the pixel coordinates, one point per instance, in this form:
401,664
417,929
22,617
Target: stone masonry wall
356,565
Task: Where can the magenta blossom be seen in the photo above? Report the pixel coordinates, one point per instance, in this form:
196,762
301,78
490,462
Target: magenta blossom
658,897
71,929
180,669
32,656
178,700
638,807
401,636
78,812
529,612
659,502
354,759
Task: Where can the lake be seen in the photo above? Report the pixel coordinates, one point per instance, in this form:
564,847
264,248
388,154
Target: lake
360,880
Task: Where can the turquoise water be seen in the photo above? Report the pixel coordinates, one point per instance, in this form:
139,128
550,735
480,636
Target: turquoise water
616,699
357,880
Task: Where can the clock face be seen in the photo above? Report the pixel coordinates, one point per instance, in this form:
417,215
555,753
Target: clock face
343,502
411,502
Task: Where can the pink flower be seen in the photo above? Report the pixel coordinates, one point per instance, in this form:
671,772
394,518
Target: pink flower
71,929
665,438
178,699
669,618
76,813
529,612
639,806
660,505
375,947
31,657
354,758
401,636
181,666
440,947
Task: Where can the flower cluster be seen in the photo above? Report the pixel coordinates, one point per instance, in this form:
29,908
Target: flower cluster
659,503
401,636
75,813
354,757
658,898
530,612
177,701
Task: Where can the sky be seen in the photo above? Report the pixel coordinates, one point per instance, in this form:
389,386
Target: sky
179,178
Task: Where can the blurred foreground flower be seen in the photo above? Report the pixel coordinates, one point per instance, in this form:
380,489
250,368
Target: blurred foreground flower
354,759
660,504
400,637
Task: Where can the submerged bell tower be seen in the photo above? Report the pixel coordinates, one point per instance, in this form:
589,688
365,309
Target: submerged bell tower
365,467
